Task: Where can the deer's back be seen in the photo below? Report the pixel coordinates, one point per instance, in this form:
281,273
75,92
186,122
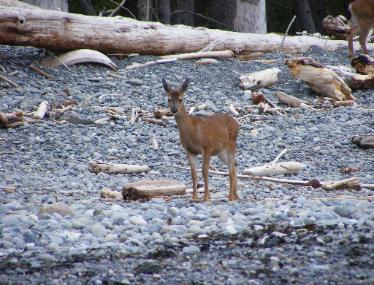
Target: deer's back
363,10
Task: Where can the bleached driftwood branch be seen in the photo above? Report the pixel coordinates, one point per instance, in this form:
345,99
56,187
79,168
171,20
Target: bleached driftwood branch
42,110
263,78
291,101
109,194
272,169
80,56
116,168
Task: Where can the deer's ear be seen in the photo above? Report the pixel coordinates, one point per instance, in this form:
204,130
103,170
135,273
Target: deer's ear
185,85
165,84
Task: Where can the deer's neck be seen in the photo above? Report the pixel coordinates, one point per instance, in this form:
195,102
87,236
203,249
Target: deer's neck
183,122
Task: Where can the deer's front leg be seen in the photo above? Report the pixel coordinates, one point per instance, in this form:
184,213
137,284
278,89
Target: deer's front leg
192,158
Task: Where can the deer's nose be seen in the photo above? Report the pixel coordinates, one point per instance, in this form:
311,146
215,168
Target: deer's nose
173,110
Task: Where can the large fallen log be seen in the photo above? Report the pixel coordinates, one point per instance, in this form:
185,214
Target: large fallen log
65,31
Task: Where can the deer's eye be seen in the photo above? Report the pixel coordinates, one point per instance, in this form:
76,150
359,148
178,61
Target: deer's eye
169,100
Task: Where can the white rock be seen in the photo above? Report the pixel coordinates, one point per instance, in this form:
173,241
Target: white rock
193,249
138,220
98,229
230,229
72,236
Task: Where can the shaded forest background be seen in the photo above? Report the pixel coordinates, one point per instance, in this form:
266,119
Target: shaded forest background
258,16
214,13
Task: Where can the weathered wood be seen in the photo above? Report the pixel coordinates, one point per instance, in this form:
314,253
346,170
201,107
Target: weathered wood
202,54
272,169
352,79
63,31
364,141
148,189
259,79
320,78
11,120
336,27
363,64
110,194
349,183
41,111
116,168
80,56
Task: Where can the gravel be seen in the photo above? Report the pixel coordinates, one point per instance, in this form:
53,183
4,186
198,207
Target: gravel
55,228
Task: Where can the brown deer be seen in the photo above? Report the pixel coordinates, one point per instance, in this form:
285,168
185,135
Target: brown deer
362,22
206,135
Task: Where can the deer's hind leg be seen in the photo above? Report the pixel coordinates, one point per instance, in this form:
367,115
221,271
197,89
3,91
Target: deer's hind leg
228,157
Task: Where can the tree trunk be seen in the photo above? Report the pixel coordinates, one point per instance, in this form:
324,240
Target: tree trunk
183,12
250,16
304,16
164,11
63,31
87,7
144,8
61,5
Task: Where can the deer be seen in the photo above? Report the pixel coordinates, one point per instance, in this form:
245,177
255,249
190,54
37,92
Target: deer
213,135
362,21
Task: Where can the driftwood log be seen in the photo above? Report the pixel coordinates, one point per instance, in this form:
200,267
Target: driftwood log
363,64
22,24
353,79
291,101
337,27
148,189
116,168
11,120
272,169
259,79
320,79
364,141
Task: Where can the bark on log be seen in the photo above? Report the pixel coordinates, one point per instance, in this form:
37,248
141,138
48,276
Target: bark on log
63,31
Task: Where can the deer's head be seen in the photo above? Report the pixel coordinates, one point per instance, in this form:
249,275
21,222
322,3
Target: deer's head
175,95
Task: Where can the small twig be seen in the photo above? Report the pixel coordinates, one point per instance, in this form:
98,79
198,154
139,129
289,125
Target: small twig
286,33
41,72
2,68
10,81
279,156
